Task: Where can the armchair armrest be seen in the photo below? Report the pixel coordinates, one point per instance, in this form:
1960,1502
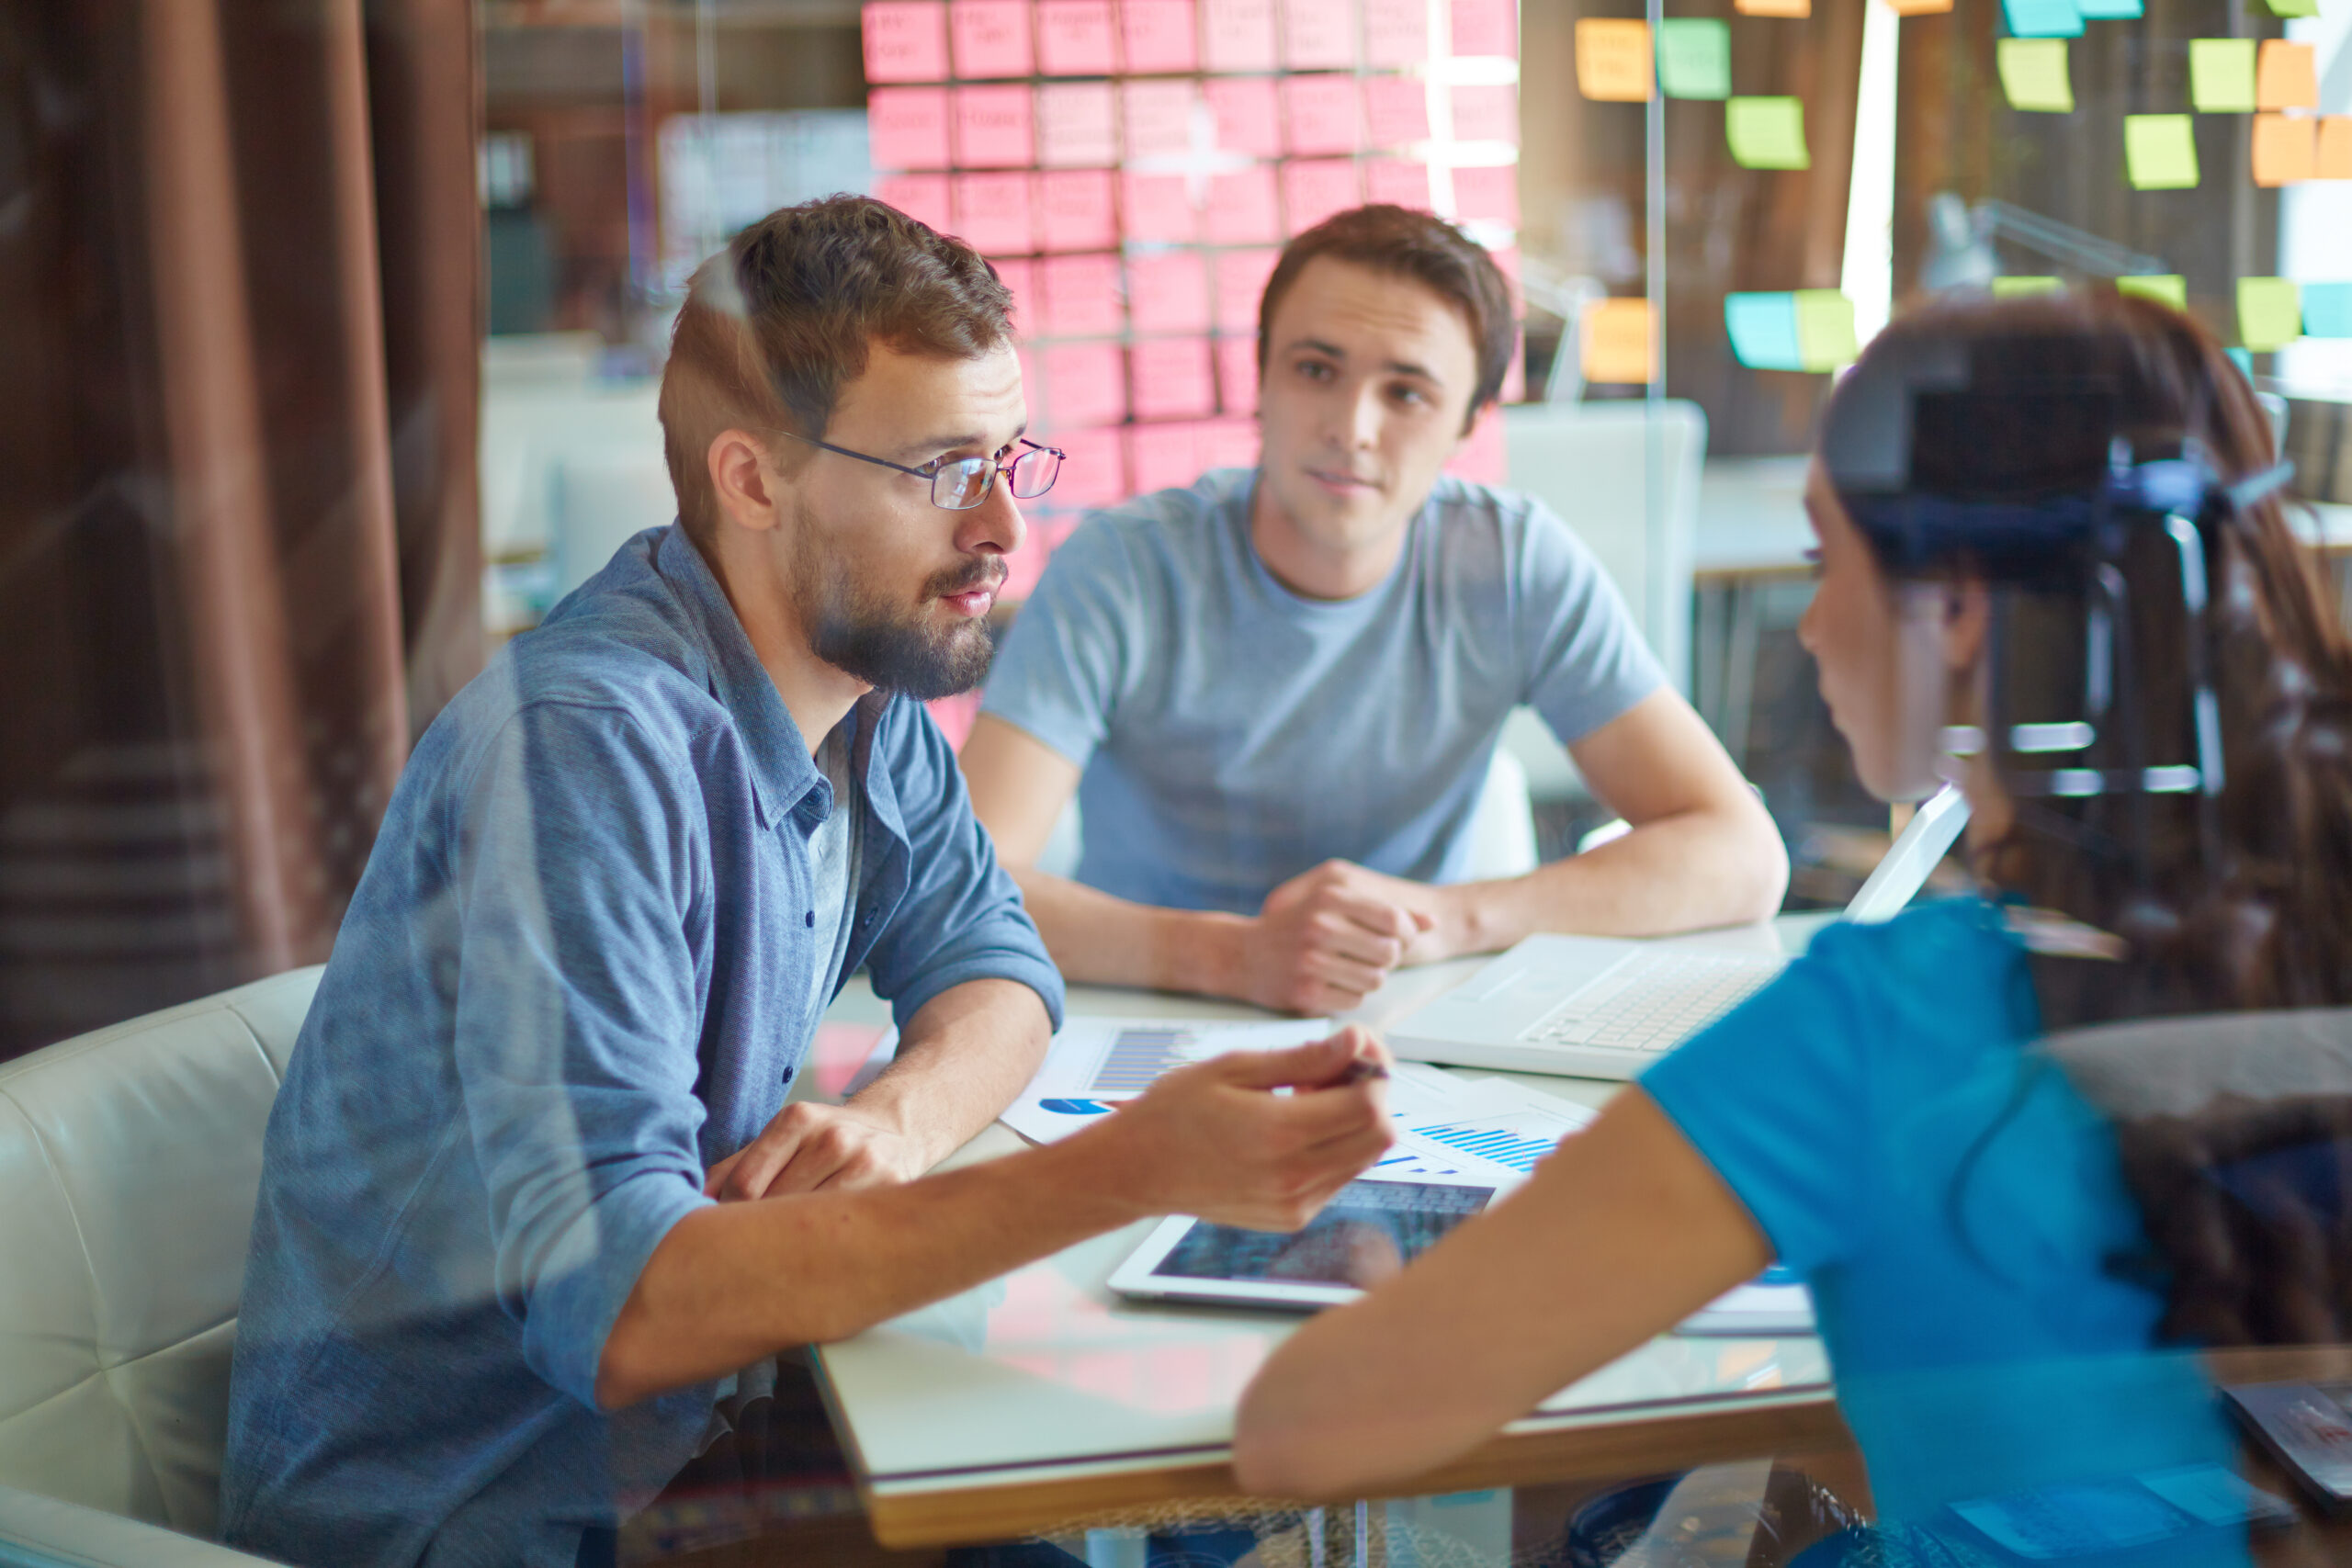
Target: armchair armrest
41,1532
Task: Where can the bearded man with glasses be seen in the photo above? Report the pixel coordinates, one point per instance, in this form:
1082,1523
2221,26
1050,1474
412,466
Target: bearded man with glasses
535,1219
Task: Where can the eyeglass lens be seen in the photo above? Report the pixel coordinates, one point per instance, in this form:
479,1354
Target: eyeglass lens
964,484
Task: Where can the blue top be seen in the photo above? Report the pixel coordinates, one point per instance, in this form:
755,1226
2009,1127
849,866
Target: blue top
575,974
1953,1203
1234,734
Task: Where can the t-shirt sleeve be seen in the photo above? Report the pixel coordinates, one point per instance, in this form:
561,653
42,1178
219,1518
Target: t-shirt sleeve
1582,659
1776,1098
1074,647
577,869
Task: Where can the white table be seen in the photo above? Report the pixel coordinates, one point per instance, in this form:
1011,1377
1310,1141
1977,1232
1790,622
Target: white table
1040,1398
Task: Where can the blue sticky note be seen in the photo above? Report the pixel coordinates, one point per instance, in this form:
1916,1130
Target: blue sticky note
2242,360
2044,18
1763,330
2327,310
2109,10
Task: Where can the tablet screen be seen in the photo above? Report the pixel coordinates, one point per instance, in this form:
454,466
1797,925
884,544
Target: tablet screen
1365,1233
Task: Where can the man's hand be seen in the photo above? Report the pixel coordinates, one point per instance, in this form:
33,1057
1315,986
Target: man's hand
1329,937
810,1146
1213,1140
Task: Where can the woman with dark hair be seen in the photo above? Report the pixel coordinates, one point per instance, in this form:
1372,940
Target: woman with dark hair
2050,568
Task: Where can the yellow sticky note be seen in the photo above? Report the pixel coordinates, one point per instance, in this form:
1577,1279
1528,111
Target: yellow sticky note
2286,76
1773,7
2160,151
1765,133
2334,159
1616,335
2294,7
2220,75
1614,60
2285,149
2166,288
2270,313
2015,288
1825,329
2034,73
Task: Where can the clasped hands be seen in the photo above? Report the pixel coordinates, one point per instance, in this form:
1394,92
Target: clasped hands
1327,938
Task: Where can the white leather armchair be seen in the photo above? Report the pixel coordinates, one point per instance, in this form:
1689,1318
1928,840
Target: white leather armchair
130,1159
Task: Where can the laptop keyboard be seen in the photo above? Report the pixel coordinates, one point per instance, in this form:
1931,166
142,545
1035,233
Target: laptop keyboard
1654,1001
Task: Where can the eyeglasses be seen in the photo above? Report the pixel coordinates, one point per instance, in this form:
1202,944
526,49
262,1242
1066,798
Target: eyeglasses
960,484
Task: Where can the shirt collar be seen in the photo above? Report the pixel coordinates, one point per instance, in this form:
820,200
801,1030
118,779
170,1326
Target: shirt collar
781,770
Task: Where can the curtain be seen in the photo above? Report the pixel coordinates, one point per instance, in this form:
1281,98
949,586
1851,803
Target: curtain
239,562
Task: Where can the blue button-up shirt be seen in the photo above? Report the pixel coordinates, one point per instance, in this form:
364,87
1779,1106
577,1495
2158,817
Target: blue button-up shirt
575,974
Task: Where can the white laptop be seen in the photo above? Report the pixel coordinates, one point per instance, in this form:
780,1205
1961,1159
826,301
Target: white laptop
1599,1007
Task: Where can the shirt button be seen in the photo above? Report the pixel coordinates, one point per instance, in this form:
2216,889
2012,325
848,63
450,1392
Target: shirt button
809,919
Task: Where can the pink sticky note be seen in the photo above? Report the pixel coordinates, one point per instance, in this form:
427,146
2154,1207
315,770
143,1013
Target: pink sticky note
1319,35
992,213
1482,458
1156,37
1019,275
906,126
1237,374
1096,471
1241,280
1396,110
1248,114
1400,181
1486,27
1173,377
906,40
991,38
1168,292
1076,37
1157,208
1321,114
1395,32
1083,297
994,127
1313,188
1086,384
1228,444
1077,128
923,197
1240,209
1238,35
1486,114
1489,195
1158,118
1163,456
1074,211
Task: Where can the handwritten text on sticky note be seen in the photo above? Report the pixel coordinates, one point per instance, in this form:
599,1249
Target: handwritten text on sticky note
1614,60
1694,57
2285,149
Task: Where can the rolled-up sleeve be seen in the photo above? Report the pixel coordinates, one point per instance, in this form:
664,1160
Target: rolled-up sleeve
579,874
961,917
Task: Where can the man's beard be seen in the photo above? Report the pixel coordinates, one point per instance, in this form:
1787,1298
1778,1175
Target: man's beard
856,630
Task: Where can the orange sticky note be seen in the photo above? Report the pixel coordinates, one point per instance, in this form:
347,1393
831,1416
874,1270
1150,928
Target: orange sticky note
2287,76
2285,149
1614,60
2334,160
1616,341
1918,7
1773,7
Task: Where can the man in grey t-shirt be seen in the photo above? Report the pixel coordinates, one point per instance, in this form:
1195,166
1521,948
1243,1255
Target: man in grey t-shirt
1277,692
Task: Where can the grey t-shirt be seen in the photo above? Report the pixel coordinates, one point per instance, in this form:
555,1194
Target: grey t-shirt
832,866
1234,734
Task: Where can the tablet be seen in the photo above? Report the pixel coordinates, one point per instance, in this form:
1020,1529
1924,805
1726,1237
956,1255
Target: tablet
1369,1231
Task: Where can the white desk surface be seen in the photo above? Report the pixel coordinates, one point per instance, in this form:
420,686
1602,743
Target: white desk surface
1044,1376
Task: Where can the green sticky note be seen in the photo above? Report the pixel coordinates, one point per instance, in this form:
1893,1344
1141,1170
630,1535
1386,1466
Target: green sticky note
2168,287
2220,75
2011,287
1765,133
1694,58
2294,7
2160,151
1825,329
2270,313
2034,73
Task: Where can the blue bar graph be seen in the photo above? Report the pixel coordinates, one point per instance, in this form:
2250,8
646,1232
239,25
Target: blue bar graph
1490,1142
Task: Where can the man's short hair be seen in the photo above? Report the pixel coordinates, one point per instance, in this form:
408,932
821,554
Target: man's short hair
778,322
1416,246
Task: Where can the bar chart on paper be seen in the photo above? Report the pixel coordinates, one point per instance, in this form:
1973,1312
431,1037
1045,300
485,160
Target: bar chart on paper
1502,1144
1137,1057
1495,1122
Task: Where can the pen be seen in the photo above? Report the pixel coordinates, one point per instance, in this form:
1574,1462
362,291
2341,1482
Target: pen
1361,1068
